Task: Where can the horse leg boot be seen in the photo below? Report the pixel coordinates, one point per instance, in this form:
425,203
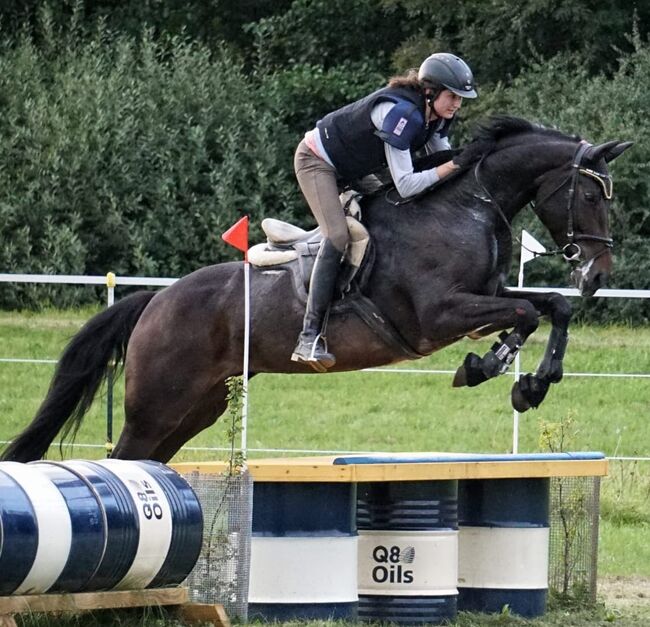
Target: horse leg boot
312,347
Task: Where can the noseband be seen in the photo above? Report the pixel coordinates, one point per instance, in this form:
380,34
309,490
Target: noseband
571,251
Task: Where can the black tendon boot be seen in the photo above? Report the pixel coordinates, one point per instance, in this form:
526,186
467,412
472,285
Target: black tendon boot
311,347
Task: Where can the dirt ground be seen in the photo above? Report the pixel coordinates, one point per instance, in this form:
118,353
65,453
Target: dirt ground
623,592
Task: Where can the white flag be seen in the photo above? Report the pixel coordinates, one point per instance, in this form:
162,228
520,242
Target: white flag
529,246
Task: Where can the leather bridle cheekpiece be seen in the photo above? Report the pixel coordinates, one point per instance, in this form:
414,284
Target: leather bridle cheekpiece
572,251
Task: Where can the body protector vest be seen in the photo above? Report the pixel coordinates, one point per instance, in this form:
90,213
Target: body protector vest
356,147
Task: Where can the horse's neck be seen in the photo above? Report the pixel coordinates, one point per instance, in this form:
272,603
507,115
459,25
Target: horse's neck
513,179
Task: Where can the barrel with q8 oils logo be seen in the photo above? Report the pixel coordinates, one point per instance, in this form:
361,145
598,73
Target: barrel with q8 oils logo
503,546
170,523
82,526
408,551
303,552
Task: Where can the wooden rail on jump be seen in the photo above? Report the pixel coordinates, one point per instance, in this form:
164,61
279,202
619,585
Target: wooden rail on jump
176,598
408,467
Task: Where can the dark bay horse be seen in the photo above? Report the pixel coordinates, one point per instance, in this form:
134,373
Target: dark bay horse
438,276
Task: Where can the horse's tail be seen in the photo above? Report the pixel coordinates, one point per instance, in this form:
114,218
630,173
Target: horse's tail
85,362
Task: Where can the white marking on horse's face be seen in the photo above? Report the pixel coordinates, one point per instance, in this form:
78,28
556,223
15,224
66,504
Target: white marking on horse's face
580,276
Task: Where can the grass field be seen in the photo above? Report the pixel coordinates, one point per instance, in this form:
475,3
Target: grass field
388,411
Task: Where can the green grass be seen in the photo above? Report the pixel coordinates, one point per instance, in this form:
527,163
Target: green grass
575,617
382,411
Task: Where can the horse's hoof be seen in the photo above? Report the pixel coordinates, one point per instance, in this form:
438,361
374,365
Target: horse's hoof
470,373
519,401
528,392
460,378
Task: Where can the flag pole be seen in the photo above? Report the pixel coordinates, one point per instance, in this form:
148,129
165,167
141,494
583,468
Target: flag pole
247,327
237,236
515,414
529,248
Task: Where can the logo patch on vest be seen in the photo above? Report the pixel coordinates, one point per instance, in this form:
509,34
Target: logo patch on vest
399,127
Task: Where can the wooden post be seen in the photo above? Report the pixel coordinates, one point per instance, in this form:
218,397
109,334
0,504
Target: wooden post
115,599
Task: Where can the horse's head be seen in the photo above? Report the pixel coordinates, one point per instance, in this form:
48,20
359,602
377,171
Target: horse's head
573,202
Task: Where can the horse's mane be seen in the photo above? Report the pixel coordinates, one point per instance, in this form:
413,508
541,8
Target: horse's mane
498,127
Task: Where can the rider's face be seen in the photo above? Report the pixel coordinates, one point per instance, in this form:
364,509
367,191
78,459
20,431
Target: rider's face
446,104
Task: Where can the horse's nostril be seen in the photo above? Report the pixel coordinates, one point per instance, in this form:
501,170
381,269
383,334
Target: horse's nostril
600,280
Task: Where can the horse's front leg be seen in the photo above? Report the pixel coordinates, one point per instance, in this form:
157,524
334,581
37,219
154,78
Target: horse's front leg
531,389
463,314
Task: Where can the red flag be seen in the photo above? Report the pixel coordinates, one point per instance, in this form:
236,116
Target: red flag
237,235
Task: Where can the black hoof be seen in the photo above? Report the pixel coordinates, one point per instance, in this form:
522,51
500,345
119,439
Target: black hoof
470,373
519,401
528,392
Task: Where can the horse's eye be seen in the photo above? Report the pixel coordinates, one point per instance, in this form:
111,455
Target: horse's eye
590,196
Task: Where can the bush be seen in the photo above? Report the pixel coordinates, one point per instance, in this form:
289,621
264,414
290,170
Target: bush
129,156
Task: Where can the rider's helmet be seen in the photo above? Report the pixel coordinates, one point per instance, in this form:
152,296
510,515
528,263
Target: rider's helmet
443,70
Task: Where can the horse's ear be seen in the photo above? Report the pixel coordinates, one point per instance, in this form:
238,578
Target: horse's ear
617,150
608,151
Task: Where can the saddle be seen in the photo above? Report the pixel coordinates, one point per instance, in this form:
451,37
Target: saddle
290,248
287,243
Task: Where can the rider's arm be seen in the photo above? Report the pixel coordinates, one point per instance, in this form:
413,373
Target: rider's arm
400,163
435,144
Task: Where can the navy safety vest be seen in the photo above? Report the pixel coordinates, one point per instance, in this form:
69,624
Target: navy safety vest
356,147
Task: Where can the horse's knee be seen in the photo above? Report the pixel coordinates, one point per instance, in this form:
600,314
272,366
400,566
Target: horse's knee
527,318
561,309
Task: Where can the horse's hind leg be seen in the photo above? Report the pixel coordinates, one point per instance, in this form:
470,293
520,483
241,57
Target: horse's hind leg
203,415
158,400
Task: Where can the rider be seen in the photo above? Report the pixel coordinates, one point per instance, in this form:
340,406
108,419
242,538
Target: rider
413,111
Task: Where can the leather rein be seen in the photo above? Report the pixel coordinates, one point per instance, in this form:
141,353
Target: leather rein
571,251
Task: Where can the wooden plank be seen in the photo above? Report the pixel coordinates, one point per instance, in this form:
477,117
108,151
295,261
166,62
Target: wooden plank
479,470
92,600
303,469
204,613
7,621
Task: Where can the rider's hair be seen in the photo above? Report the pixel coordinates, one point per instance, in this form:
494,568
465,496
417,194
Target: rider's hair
410,79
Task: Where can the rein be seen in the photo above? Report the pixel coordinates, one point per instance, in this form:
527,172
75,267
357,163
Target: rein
571,251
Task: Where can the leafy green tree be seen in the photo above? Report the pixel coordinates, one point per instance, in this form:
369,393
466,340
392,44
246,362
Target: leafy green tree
210,21
501,37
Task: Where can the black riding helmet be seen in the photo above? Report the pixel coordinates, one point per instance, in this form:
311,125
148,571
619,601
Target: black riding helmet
443,70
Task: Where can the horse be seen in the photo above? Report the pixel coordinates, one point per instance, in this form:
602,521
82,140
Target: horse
438,275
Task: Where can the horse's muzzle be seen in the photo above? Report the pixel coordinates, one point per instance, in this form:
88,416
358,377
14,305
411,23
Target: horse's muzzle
588,278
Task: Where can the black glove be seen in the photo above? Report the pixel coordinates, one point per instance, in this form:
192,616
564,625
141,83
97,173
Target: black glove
472,152
434,159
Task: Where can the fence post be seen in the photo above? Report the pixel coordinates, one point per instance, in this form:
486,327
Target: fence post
110,299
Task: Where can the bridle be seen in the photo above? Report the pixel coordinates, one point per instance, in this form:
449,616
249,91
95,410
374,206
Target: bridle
572,250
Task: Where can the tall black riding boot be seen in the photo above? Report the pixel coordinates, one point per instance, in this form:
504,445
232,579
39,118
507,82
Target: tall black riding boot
311,347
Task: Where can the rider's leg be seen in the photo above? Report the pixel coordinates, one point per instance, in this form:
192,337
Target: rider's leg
311,347
317,180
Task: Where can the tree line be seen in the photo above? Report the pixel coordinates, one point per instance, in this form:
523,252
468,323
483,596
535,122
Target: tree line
134,133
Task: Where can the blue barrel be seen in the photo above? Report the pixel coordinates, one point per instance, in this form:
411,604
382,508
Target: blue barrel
303,552
36,530
408,548
121,520
82,526
87,525
503,546
187,526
